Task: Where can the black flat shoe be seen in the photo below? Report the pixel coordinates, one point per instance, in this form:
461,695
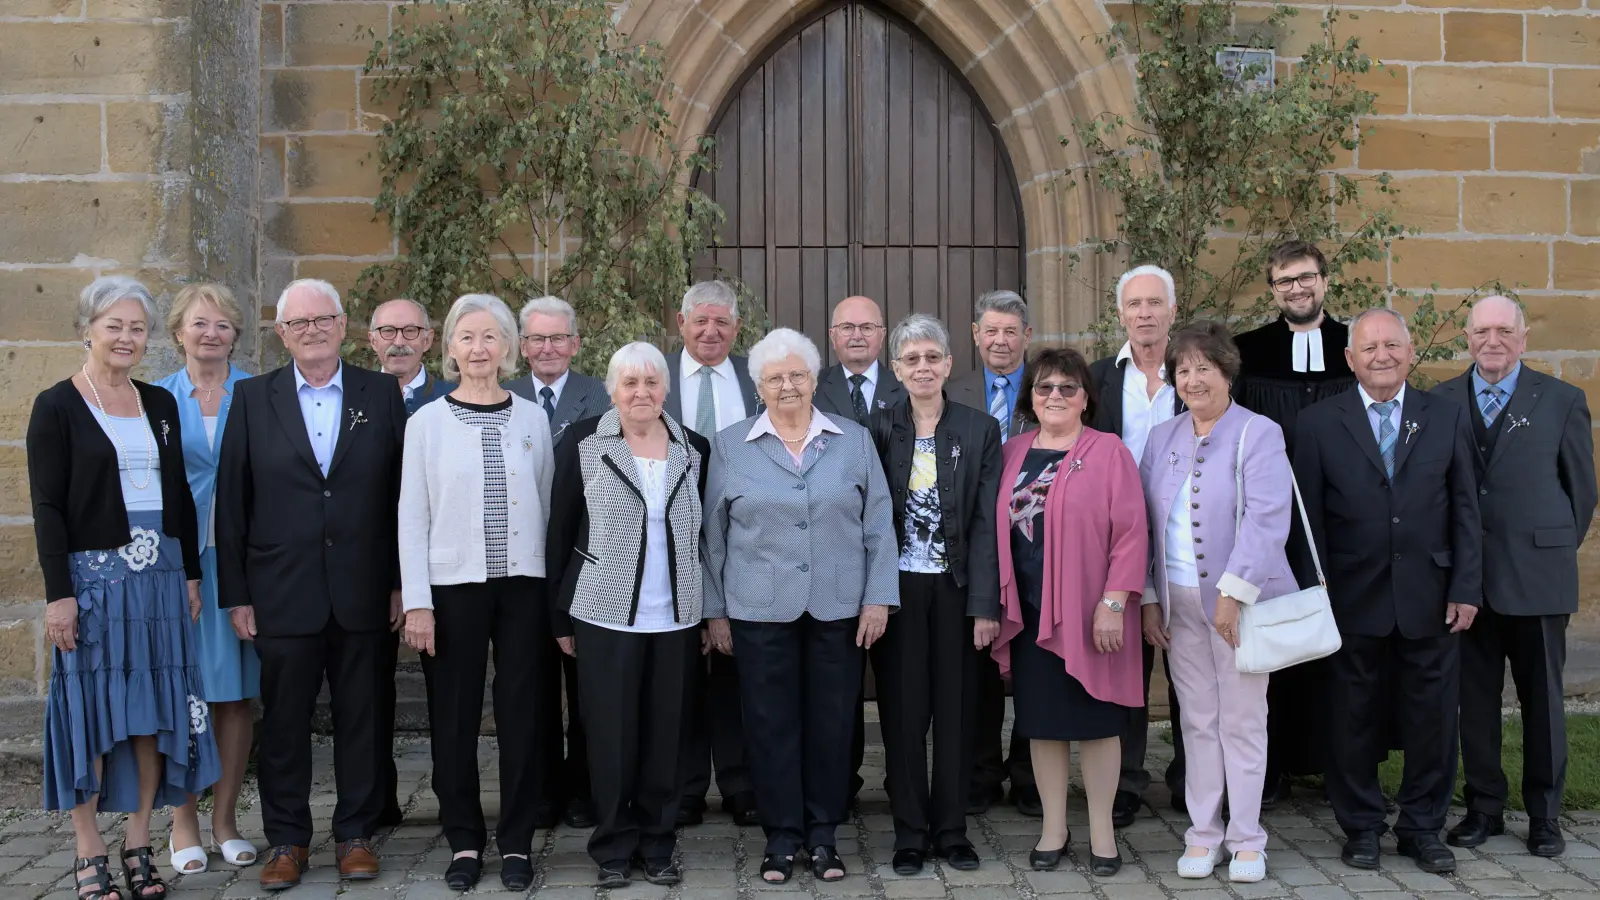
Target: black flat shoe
960,857
908,861
580,813
1277,793
1048,860
613,875
774,864
661,871
1027,801
743,809
516,872
463,872
1361,850
1124,808
1431,854
1474,829
825,859
1105,866
1544,838
546,816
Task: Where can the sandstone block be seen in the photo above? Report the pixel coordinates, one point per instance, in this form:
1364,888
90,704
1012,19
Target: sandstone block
14,499
94,58
1499,5
1393,145
273,184
1420,262
20,579
1585,210
1386,36
1492,205
272,34
307,100
1430,203
1539,147
1562,323
59,221
26,371
43,8
334,229
147,137
40,303
19,661
1391,84
1482,37
332,34
1480,91
137,9
50,138
1575,93
1576,267
333,166
1574,40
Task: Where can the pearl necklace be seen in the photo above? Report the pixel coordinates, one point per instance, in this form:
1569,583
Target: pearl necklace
122,454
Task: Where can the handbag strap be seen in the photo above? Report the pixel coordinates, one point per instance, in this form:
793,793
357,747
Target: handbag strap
1300,503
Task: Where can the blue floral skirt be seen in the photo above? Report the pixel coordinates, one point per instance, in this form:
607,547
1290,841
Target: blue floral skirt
135,673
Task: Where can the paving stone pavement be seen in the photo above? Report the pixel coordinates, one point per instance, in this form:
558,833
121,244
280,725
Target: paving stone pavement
721,860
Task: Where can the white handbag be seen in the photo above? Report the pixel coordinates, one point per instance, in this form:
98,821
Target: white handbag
1288,630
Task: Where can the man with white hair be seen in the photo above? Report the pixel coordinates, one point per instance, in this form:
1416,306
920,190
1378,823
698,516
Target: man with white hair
1536,496
308,488
400,334
710,390
1134,398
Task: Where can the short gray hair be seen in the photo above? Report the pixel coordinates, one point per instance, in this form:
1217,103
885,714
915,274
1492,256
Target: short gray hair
1141,271
779,344
315,284
1008,302
1371,311
1521,317
635,358
710,293
919,327
105,292
427,320
548,306
507,323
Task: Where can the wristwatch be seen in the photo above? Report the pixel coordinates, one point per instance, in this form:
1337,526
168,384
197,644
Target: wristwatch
1113,605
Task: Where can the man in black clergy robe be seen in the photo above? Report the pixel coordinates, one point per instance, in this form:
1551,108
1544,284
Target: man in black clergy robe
1284,367
1392,499
308,563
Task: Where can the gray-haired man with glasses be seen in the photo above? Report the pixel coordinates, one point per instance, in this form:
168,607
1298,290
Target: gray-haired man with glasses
401,334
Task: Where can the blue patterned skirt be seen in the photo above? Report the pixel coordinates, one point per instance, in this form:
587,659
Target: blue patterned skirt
135,673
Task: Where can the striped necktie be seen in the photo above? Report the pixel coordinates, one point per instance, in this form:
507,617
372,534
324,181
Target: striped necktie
705,409
998,406
1386,433
1491,400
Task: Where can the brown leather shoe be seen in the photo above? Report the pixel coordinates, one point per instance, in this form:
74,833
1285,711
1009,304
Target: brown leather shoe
357,862
282,867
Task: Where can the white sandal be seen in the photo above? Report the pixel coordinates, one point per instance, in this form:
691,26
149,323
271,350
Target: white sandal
182,858
236,850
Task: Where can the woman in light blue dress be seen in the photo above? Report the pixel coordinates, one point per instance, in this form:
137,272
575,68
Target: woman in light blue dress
205,321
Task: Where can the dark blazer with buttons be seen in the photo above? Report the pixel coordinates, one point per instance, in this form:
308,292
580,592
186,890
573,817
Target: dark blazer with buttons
1394,552
969,390
1107,375
833,392
967,453
432,389
1536,493
582,397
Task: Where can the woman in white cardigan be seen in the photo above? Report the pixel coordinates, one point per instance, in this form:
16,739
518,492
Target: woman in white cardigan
474,502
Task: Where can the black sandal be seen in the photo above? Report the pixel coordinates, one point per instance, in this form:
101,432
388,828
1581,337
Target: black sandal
104,887
775,863
824,858
142,878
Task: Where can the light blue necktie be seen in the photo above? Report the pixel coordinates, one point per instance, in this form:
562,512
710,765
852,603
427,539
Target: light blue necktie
705,410
997,406
1490,401
1387,433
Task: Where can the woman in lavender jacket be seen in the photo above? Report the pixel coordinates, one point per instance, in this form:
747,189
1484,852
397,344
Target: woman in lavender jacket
1203,566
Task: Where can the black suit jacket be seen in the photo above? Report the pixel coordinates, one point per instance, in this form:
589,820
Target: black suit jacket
833,392
741,370
581,398
1394,552
967,454
969,390
1536,493
432,389
295,545
1107,375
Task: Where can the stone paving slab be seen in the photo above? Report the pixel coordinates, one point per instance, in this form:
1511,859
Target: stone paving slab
721,860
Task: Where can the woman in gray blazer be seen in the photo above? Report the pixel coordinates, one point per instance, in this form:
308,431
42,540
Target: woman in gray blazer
801,571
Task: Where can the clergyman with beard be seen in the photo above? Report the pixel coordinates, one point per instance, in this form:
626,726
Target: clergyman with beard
1285,366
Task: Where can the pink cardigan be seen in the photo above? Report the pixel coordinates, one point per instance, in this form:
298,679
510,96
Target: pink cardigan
1095,541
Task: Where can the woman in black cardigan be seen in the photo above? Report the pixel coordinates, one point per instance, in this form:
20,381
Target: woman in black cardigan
942,461
126,729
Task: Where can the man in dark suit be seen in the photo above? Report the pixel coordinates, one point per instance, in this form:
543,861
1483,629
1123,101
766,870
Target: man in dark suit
401,334
711,390
307,491
1536,483
1001,331
549,341
1134,398
1392,498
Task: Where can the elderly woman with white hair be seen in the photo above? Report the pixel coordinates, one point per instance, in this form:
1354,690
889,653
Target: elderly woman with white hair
474,500
126,726
801,573
625,568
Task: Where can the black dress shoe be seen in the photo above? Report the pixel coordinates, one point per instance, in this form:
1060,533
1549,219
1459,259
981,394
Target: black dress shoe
691,812
581,813
908,861
463,872
1544,838
613,874
1431,854
1124,808
979,799
661,871
742,806
1277,792
960,857
1474,829
1105,866
1361,850
547,815
516,873
1027,801
1048,860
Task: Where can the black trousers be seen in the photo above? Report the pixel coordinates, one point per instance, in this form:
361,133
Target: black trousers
386,711
634,691
798,683
563,739
715,732
1136,740
292,669
927,673
1424,684
992,764
1537,649
510,613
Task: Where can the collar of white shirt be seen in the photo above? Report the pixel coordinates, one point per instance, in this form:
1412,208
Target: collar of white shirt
1126,353
417,382
689,367
871,374
819,424
1367,401
555,387
337,381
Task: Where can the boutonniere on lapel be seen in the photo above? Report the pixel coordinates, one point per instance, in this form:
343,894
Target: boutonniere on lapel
165,430
955,455
1172,460
527,444
1076,465
883,404
357,417
1518,423
820,443
559,428
1411,428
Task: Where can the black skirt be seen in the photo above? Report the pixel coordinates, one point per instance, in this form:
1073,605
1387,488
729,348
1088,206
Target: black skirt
1050,704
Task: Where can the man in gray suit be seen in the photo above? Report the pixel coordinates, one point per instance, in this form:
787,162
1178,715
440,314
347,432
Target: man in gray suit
549,341
1001,331
711,390
858,384
1536,495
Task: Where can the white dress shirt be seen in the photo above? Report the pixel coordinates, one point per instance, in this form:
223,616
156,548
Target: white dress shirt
1140,411
1394,417
724,387
1180,561
415,383
556,387
321,408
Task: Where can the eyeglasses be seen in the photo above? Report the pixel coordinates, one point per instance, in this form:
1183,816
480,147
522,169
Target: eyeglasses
774,382
850,329
1304,279
387,332
554,340
1068,389
912,360
299,326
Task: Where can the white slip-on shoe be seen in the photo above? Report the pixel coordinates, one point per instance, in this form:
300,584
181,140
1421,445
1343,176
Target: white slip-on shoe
183,860
237,852
1247,871
1198,866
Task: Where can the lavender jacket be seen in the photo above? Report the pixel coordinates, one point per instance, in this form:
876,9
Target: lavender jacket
1251,566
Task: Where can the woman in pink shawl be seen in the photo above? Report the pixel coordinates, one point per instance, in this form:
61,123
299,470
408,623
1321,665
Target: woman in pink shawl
1073,558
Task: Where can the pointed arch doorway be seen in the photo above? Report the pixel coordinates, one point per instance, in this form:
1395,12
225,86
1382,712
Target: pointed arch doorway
853,158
